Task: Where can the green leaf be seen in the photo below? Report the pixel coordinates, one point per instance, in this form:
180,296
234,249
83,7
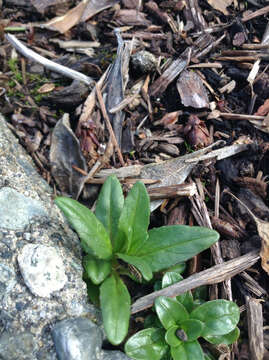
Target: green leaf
171,337
170,312
96,269
201,293
193,328
170,278
169,245
152,320
93,236
93,292
185,299
227,339
147,344
188,351
115,306
141,265
178,268
219,316
134,219
109,206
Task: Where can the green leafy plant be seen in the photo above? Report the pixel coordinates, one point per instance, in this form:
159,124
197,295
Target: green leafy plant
117,242
174,332
13,66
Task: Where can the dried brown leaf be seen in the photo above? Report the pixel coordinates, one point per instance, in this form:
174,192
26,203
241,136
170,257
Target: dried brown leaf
64,153
70,19
220,5
46,88
114,91
170,118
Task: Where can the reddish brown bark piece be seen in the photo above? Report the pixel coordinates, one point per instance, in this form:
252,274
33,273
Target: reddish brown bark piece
263,109
196,132
192,90
131,17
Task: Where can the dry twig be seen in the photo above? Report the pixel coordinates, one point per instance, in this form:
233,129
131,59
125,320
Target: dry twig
214,275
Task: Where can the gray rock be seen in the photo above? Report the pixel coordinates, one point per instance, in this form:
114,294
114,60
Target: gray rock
77,339
23,315
14,347
42,269
39,249
144,62
7,280
18,210
113,355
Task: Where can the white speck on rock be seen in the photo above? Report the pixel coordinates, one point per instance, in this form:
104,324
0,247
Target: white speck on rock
42,269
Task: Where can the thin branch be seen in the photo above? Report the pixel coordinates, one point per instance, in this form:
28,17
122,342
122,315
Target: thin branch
214,275
255,14
53,66
108,124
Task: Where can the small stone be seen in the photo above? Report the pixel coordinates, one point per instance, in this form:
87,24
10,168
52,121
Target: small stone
42,269
144,62
77,339
17,210
17,346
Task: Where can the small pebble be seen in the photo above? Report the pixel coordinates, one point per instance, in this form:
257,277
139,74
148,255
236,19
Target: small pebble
143,62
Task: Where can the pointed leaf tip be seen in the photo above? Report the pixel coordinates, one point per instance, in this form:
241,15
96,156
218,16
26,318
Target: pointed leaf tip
93,236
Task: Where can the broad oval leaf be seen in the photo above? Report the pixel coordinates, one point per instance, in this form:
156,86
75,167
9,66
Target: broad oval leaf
193,328
134,219
178,268
140,264
152,320
187,351
170,312
185,299
93,235
148,344
170,278
226,339
169,245
96,269
171,337
109,206
219,317
115,306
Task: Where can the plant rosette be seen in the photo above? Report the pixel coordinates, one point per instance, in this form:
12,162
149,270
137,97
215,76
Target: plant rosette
117,242
181,322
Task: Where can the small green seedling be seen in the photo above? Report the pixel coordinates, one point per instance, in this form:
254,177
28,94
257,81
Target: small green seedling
117,242
178,325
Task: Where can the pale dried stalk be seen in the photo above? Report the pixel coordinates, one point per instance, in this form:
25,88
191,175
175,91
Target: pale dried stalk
108,124
30,54
214,275
255,328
